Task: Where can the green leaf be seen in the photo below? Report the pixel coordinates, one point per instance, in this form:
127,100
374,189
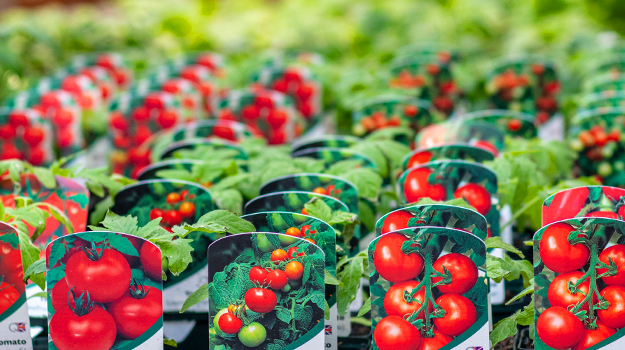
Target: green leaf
504,329
526,291
350,277
46,177
231,221
319,209
170,342
195,298
36,268
331,280
496,242
178,253
366,307
116,223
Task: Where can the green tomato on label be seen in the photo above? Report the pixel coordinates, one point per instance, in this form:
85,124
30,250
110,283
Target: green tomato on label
604,169
263,243
214,338
278,222
253,334
216,321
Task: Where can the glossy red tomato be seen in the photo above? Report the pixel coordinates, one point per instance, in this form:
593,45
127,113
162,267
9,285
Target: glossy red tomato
460,314
463,273
151,260
394,333
485,145
396,304
156,213
559,294
34,135
260,300
229,323
294,270
172,217
613,316
8,296
105,278
60,295
419,158
391,263
224,132
417,186
95,331
557,253
396,220
558,328
594,336
137,311
277,279
565,205
258,275
435,343
616,253
476,195
603,214
12,271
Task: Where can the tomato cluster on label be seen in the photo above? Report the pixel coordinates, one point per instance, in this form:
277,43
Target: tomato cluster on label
452,314
179,208
600,146
99,298
581,312
24,136
304,91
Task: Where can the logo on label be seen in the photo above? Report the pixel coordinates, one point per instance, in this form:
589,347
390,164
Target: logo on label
475,348
328,330
19,327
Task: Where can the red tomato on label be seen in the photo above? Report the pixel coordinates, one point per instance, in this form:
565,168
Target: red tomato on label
613,315
616,253
391,263
229,323
419,158
12,271
460,314
594,336
557,253
106,278
435,343
395,303
559,294
151,261
558,328
258,275
396,220
463,273
277,279
134,315
94,331
8,296
417,186
395,333
476,195
260,300
603,214
565,205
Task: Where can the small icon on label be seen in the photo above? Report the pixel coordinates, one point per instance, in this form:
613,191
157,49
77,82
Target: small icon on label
328,330
19,327
475,348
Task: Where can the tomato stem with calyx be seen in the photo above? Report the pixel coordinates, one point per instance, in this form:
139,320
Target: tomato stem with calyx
81,307
429,273
137,289
590,319
92,253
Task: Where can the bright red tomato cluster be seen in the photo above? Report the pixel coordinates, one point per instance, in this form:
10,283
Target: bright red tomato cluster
557,326
180,207
24,138
266,116
293,82
394,331
97,299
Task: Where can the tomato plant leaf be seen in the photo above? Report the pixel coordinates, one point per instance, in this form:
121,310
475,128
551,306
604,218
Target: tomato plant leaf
170,342
178,253
350,276
331,280
366,307
504,329
319,209
195,298
496,242
36,268
232,223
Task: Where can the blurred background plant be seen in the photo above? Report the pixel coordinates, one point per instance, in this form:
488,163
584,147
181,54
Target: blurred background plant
355,36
